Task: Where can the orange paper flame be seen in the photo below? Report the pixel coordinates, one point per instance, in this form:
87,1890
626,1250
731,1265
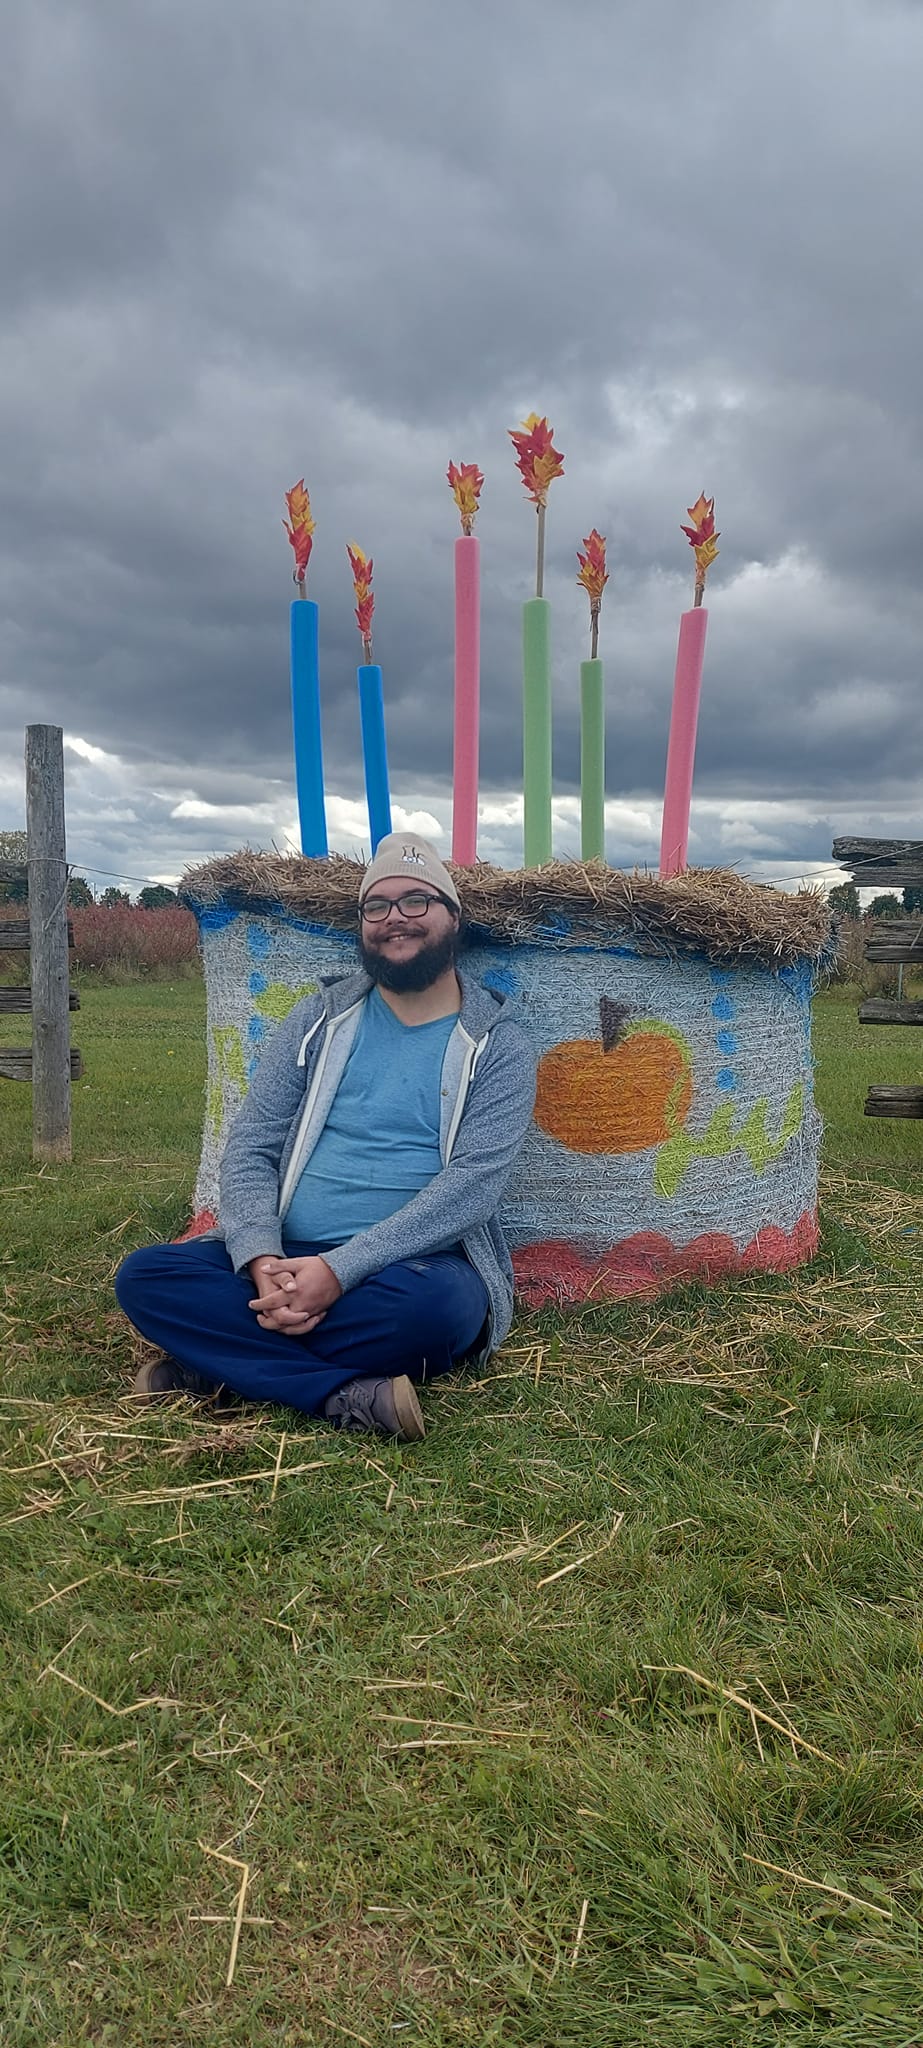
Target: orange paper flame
301,530
362,566
702,537
592,572
537,460
467,483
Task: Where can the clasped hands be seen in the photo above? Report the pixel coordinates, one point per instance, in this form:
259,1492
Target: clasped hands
292,1295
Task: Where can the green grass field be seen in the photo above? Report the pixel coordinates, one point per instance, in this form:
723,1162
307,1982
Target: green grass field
595,1720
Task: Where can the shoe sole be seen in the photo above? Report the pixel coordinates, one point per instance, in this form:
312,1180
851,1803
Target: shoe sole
143,1391
407,1410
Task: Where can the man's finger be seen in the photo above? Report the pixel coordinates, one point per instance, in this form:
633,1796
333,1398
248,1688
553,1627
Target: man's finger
292,1325
283,1317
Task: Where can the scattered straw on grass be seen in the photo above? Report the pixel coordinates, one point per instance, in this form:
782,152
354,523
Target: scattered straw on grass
349,2034
737,1699
277,1467
834,1891
98,1755
235,1864
578,1944
527,1548
226,1919
72,1588
39,1504
452,1727
574,1566
245,1824
52,1670
447,1742
159,1495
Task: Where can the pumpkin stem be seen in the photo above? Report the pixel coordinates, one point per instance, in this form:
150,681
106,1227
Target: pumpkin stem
612,1018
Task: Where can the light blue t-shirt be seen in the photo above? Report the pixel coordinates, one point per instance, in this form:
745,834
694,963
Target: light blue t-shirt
380,1143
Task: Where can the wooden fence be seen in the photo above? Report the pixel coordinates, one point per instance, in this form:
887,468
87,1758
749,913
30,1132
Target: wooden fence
889,864
46,933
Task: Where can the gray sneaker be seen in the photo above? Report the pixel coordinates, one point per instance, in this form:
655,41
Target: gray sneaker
389,1406
159,1378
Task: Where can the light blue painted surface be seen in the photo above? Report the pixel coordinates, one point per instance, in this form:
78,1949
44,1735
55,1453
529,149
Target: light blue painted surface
592,1201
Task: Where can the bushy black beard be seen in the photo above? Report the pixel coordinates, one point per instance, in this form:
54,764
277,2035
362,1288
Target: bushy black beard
405,977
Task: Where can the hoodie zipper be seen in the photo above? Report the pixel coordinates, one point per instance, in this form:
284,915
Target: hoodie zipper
302,1049
293,1168
475,1049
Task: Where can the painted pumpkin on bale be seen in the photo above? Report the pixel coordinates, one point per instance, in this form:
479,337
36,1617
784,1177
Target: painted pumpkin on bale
627,1090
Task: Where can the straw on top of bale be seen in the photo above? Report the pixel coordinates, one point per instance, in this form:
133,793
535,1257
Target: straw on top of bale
706,910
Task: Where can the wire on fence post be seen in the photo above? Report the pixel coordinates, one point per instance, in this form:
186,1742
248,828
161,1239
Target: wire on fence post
51,1071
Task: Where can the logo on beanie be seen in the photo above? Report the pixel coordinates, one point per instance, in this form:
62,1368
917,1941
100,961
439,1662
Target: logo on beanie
413,858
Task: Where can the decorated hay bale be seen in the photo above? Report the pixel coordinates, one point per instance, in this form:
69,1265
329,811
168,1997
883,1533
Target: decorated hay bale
675,1131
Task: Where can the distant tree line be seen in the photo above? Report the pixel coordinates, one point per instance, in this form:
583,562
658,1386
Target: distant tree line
844,899
14,847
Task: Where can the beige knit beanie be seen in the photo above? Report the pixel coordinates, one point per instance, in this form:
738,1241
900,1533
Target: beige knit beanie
411,859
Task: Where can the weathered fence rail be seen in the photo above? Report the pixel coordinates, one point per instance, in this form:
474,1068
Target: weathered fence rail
894,1102
49,1063
889,864
15,935
898,940
20,999
879,1010
882,863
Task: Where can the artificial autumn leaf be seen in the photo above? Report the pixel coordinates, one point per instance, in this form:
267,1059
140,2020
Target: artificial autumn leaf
537,460
701,535
301,530
467,483
592,572
702,514
707,554
362,566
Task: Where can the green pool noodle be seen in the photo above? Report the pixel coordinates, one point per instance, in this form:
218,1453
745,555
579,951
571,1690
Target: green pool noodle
536,731
592,762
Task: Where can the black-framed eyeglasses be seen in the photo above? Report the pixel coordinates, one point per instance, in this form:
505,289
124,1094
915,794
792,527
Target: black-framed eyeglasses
415,903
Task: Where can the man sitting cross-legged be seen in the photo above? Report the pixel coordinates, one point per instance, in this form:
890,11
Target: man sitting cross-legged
358,1246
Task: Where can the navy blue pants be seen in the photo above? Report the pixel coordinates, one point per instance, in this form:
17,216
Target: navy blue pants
417,1317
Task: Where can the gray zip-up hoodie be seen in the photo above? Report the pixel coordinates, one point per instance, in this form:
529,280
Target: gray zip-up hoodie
488,1091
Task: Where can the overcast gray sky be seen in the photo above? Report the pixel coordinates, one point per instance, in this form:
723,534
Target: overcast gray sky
243,243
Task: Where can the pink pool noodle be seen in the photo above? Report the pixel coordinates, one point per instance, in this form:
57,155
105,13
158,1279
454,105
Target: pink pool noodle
467,698
677,795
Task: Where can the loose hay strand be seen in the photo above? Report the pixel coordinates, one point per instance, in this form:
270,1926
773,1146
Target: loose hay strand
578,1561
834,1891
580,1927
235,1864
737,1699
222,1485
277,1467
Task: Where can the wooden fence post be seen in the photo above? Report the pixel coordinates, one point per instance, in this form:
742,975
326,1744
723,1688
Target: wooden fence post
51,1063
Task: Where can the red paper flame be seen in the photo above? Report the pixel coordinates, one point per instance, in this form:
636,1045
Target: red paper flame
467,483
592,572
701,535
362,566
537,460
301,530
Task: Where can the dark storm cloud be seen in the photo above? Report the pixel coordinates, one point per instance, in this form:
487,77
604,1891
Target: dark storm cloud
239,244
